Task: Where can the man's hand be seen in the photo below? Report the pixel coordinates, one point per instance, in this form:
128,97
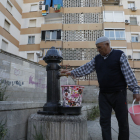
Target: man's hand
66,72
137,97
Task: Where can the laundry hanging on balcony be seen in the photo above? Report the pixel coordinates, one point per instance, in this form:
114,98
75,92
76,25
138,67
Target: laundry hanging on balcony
57,4
46,7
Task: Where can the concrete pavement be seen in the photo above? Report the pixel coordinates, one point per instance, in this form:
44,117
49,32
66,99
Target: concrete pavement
94,130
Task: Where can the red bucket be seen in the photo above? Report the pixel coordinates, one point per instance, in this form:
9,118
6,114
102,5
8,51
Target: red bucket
135,113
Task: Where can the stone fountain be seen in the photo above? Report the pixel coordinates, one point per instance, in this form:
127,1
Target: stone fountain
56,122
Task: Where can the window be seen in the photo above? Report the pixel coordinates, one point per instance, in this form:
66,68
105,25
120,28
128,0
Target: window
130,5
51,35
136,55
30,56
134,38
115,34
4,45
113,16
9,6
31,39
7,25
108,16
133,21
34,7
32,23
118,16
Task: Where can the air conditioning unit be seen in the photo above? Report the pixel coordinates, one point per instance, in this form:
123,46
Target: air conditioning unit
127,22
134,8
41,2
39,54
129,57
40,7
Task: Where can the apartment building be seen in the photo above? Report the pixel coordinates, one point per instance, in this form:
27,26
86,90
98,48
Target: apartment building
10,25
30,27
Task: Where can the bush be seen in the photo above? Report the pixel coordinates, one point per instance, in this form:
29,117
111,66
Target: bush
3,86
38,135
95,112
3,130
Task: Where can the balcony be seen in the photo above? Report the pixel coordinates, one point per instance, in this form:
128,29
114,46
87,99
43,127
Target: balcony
111,2
49,44
55,26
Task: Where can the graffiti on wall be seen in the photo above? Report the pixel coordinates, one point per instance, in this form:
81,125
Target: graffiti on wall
18,72
37,84
13,83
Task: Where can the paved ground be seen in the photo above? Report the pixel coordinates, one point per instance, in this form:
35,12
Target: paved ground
94,130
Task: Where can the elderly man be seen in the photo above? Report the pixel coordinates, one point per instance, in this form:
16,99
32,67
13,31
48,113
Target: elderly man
114,75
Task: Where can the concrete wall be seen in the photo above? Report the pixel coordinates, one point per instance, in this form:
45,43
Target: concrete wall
16,115
90,95
26,79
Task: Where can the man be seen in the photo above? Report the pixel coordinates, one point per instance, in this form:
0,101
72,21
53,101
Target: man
114,75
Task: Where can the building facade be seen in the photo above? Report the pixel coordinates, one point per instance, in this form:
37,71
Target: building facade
30,27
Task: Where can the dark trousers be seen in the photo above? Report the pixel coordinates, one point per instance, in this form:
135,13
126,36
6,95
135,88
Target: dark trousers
118,102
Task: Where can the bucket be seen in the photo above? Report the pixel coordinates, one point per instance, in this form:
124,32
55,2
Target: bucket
135,113
72,95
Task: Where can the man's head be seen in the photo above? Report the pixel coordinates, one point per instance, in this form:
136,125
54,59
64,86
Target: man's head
103,45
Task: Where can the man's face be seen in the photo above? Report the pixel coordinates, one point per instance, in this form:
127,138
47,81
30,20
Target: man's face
102,48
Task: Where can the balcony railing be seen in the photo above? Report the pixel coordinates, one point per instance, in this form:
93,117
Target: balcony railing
113,2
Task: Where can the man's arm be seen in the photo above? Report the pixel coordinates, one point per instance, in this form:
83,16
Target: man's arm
129,76
85,69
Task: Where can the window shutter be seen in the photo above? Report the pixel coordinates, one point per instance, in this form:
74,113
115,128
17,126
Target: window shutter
118,16
59,34
9,7
30,56
108,16
32,23
4,45
34,7
7,25
133,20
136,55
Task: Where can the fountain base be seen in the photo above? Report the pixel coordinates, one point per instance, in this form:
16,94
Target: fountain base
63,111
57,127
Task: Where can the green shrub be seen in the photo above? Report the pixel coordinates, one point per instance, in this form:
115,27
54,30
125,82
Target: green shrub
3,130
38,135
94,113
3,86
